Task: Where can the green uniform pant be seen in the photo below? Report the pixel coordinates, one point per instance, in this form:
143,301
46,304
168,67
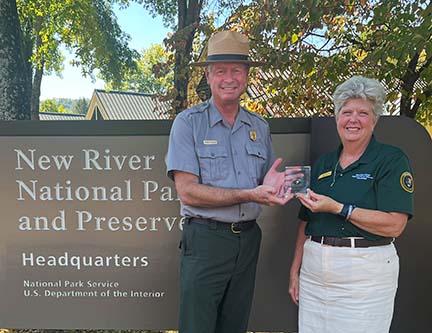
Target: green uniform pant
217,278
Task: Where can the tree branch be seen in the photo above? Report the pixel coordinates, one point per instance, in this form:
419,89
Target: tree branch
428,94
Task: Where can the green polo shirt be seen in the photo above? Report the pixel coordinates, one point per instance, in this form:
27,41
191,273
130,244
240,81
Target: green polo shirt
380,180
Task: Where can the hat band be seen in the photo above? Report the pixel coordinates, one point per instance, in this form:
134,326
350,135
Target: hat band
227,57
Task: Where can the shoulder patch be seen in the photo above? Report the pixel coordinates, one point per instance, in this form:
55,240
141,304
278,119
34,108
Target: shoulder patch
255,115
202,107
407,182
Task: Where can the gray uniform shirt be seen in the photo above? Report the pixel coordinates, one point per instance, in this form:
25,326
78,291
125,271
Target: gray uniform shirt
202,143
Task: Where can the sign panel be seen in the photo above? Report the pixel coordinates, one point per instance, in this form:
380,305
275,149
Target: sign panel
91,226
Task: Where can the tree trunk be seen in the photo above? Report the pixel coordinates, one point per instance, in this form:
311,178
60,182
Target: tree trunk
27,45
407,88
427,92
38,73
35,92
188,18
14,101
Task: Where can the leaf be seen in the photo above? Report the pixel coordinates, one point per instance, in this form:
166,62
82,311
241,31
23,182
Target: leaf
360,54
392,61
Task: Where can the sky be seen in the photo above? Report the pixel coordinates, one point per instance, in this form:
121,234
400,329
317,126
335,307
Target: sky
143,29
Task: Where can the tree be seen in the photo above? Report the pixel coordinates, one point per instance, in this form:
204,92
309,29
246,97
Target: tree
88,28
80,106
152,74
319,43
14,101
187,18
50,105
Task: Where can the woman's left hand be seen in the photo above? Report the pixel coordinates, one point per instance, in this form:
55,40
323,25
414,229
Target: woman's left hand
319,203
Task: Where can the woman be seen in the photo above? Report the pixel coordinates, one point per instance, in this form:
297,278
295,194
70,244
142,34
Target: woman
345,268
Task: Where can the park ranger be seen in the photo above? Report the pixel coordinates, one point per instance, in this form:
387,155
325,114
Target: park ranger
222,162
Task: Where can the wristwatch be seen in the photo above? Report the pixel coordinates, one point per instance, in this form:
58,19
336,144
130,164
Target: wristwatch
346,211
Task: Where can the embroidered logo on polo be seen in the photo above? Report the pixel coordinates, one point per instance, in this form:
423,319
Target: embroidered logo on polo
407,182
362,176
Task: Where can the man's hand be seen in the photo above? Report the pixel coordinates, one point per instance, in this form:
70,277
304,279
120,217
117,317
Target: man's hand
268,195
276,181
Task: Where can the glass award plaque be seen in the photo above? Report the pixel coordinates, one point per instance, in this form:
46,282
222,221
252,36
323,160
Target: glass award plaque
297,179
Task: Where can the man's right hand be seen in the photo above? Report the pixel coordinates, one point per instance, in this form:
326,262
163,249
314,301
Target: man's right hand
269,195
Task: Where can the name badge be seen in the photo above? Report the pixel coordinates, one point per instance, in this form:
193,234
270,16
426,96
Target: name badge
325,174
210,142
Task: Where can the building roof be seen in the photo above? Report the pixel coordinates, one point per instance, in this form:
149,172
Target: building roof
60,116
126,105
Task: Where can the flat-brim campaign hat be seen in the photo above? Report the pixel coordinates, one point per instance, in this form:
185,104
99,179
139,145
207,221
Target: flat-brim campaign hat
228,46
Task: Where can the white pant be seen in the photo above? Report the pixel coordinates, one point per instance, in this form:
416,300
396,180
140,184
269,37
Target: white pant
347,290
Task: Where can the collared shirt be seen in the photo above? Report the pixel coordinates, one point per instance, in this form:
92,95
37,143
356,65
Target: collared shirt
238,157
381,179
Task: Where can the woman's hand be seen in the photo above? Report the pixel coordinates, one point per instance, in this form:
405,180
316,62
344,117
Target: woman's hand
294,287
319,203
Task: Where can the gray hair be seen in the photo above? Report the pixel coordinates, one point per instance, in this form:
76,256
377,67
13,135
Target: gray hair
360,87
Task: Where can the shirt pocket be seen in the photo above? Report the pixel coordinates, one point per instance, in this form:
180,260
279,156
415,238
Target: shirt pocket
213,162
257,161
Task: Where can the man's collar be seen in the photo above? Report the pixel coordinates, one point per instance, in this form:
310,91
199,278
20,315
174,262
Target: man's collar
215,116
244,116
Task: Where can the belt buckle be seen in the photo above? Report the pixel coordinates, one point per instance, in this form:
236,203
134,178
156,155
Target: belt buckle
234,231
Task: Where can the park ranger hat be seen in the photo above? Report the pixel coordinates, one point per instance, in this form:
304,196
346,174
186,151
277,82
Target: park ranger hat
228,46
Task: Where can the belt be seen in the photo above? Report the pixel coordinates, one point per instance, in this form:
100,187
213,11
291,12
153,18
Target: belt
351,241
235,227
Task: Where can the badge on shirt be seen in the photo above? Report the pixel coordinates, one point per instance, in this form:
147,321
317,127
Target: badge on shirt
407,182
210,142
252,135
325,174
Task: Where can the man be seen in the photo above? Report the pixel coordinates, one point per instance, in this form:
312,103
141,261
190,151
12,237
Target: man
219,157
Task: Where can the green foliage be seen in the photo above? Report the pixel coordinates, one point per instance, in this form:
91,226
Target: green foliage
424,114
320,43
188,19
65,105
152,74
88,28
80,106
50,105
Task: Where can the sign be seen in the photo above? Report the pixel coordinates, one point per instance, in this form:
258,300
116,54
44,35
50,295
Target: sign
90,226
